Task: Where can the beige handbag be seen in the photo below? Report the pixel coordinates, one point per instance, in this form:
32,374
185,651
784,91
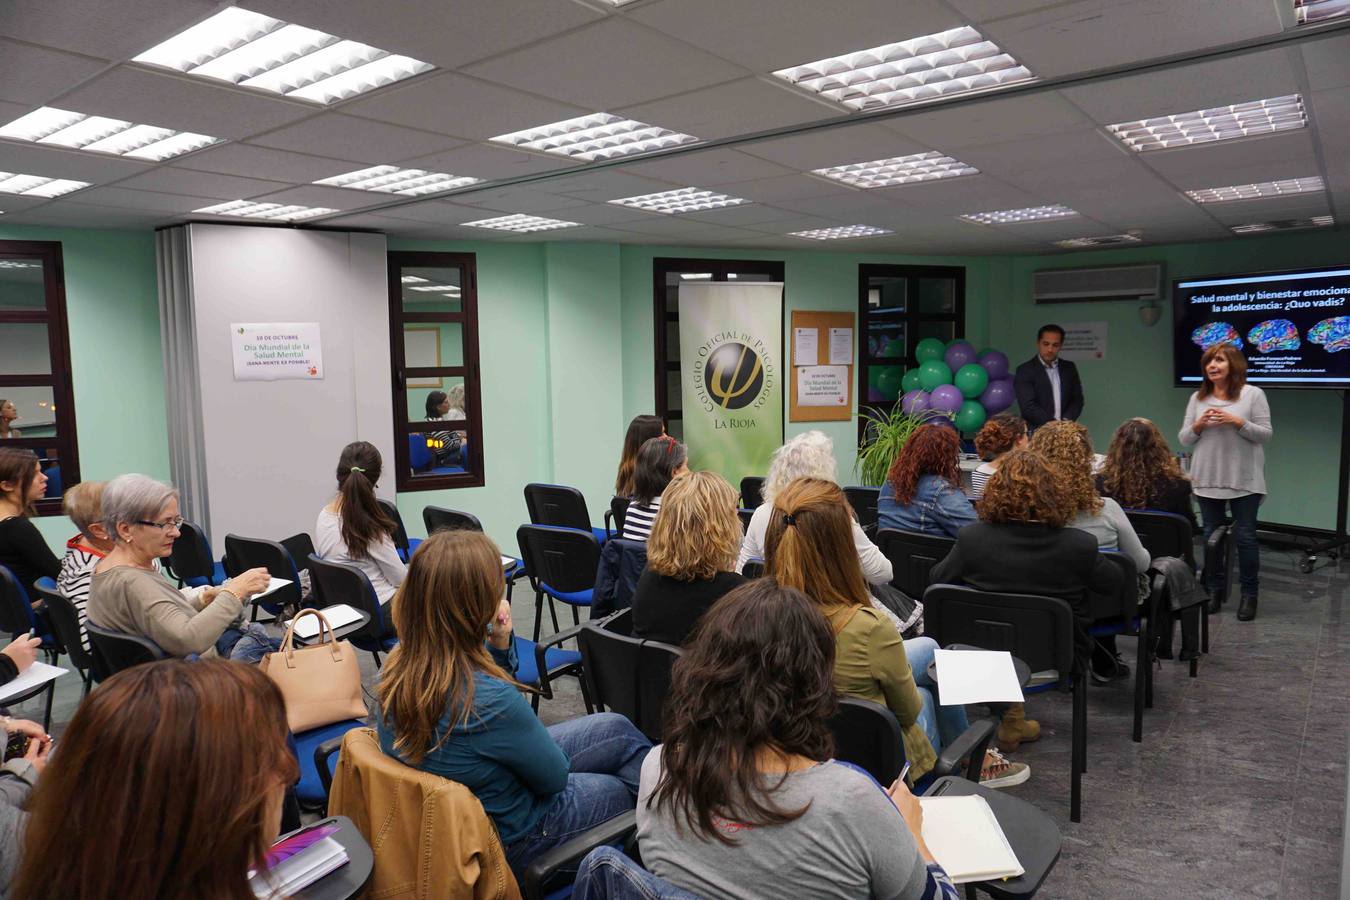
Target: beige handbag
321,683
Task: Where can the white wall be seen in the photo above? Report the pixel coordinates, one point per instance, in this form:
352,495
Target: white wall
272,446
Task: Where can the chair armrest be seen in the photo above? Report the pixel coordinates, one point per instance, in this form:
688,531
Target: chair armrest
970,744
616,831
322,754
609,517
541,666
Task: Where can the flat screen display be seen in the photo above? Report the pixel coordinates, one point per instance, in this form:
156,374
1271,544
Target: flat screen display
1293,327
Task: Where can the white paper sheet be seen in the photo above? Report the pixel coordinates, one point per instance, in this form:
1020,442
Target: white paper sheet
841,346
337,616
507,562
37,674
966,839
273,585
805,347
977,676
822,386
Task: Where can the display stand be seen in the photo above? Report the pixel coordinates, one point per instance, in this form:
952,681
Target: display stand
1332,546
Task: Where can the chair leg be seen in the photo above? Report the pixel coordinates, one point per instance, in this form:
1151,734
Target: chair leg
1148,685
1142,664
88,682
538,613
553,613
376,654
1079,742
576,616
47,714
1204,630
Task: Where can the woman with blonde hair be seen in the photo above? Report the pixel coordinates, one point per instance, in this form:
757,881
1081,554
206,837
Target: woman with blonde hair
450,705
1141,472
809,548
690,553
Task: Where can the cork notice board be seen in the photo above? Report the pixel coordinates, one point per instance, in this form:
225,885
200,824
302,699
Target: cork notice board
825,380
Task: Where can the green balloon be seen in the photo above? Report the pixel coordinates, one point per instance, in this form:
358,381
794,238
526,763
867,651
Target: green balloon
888,382
970,417
971,380
930,348
910,382
934,372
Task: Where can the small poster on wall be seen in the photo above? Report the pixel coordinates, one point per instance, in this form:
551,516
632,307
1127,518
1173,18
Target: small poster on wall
1084,340
822,386
276,351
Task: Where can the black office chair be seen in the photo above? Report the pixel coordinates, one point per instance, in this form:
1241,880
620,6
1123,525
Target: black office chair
615,516
191,560
1037,630
1218,565
440,518
912,557
114,651
334,583
864,503
625,674
17,617
250,553
560,506
65,622
406,547
752,492
753,568
867,734
1124,614
561,564
1168,534
745,515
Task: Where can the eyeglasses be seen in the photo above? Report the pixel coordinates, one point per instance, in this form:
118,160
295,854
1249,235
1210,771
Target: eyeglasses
173,524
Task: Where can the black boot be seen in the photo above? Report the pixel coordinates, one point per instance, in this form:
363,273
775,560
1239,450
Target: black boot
1214,603
1247,608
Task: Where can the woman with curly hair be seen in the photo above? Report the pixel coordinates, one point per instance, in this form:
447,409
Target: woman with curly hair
999,435
690,553
1022,545
923,488
743,798
1141,472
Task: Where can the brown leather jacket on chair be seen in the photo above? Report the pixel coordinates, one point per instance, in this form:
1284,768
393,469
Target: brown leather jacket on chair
430,835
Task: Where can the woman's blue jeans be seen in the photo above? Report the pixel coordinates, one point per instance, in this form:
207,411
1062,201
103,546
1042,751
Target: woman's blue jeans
942,724
1244,535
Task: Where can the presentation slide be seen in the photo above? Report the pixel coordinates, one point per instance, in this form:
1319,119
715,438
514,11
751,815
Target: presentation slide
1293,327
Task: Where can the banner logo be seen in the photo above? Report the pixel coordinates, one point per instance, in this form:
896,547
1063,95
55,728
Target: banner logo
734,375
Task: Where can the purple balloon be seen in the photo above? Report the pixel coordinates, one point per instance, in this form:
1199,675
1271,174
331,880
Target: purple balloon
998,396
947,398
995,362
942,422
915,402
959,354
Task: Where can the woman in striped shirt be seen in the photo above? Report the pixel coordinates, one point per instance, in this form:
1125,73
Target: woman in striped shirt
83,503
999,435
659,460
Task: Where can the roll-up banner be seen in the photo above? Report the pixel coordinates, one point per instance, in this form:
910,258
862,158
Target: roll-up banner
731,375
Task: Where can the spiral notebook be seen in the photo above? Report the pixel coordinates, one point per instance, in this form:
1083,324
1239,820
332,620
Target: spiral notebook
966,839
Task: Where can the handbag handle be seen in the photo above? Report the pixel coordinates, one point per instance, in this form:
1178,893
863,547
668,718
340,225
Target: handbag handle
288,642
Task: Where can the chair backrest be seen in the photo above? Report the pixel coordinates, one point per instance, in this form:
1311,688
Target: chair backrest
864,503
246,553
439,518
753,568
625,674
565,559
655,661
557,504
618,508
912,557
335,582
1037,630
300,547
1163,533
400,533
752,492
1125,604
419,456
16,612
115,651
745,515
65,621
867,734
191,554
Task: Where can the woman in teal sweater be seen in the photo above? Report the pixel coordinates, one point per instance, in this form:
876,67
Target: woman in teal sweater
451,707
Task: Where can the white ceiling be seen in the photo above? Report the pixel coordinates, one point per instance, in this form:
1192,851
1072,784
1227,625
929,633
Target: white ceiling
702,67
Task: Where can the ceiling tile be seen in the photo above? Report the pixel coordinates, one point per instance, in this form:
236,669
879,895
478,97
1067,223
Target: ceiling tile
176,101
454,104
52,162
785,187
681,227
99,28
372,222
763,35
609,64
734,108
1299,206
520,200
606,214
248,161
1267,170
838,146
572,235
851,209
1328,61
35,75
987,10
973,193
1044,152
746,214
604,185
12,203
174,180
438,212
356,139
706,168
85,215
992,120
149,201
1286,151
329,197
487,161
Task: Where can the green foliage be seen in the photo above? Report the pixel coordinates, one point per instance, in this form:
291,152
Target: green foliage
883,436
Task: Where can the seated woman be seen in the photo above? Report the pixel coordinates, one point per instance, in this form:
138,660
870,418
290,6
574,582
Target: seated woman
923,488
658,461
197,748
23,550
7,416
444,445
1067,448
808,455
640,430
83,503
808,549
451,707
996,438
355,529
128,594
689,556
18,777
743,799
1141,472
1022,545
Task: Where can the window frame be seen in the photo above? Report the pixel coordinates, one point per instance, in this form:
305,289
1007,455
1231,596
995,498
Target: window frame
475,474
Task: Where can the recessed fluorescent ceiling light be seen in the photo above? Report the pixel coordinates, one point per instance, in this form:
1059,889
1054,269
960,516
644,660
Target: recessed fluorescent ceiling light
522,223
1017,216
935,65
250,209
680,200
1205,126
393,180
1309,11
411,279
595,136
1284,225
696,276
18,264
257,51
100,134
1102,241
37,186
840,232
916,167
436,288
1254,191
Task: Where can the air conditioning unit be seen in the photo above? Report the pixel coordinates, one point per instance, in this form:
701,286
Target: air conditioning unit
1141,282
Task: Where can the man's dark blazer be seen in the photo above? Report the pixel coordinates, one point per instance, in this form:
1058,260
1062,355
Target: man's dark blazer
1036,398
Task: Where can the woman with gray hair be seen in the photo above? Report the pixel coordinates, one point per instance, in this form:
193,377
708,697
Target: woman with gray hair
127,594
807,455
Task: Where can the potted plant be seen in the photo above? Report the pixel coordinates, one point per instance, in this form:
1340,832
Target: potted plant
884,433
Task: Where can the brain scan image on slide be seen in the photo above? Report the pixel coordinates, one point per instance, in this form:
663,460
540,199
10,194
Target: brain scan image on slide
1333,334
1274,334
1211,333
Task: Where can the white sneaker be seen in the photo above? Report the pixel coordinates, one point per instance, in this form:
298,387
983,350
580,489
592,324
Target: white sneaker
999,773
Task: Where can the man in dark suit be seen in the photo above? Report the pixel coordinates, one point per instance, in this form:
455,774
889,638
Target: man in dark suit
1048,387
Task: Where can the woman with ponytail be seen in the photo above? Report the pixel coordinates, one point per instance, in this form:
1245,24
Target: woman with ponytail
354,528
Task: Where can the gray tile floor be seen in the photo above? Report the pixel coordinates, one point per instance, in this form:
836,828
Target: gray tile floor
1238,789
